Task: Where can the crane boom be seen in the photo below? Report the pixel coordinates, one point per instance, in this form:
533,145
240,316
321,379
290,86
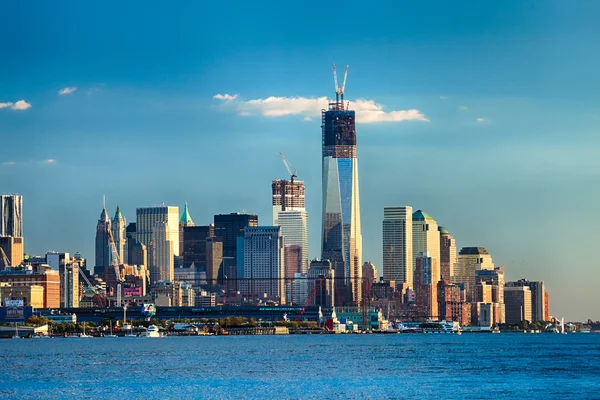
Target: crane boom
344,83
5,259
288,167
335,81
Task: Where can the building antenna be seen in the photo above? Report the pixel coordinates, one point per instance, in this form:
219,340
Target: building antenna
104,200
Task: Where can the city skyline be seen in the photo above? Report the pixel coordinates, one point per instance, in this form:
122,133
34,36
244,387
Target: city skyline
492,149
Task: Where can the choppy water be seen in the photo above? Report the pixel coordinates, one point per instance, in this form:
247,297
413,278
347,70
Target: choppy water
304,366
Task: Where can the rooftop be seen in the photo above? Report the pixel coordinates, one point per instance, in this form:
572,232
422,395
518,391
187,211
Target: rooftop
420,216
473,250
443,230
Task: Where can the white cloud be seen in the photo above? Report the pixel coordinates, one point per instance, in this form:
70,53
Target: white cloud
367,111
67,90
7,104
481,120
8,163
464,108
21,105
50,161
225,97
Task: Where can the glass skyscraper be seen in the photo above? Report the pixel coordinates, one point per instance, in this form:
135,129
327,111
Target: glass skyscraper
342,239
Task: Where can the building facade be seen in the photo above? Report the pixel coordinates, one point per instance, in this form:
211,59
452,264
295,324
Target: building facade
470,260
42,276
11,215
427,276
426,237
287,195
14,248
263,265
538,298
214,258
294,227
447,254
342,237
118,226
517,300
194,245
321,277
69,284
229,227
162,267
398,245
185,221
165,218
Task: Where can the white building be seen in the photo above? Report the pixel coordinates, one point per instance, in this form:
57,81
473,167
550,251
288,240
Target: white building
118,231
162,247
263,264
146,219
425,236
397,245
294,228
471,259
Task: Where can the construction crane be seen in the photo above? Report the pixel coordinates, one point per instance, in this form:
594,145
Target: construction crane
98,298
339,90
115,262
289,167
309,299
5,259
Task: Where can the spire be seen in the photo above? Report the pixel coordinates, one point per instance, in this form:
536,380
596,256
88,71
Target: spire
118,215
104,215
186,219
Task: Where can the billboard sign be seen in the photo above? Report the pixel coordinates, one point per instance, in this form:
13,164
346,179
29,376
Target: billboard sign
149,309
14,312
13,303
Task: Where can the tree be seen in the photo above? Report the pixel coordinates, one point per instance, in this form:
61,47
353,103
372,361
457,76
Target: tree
36,321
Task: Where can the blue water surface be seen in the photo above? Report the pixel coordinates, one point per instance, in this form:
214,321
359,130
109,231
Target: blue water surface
447,366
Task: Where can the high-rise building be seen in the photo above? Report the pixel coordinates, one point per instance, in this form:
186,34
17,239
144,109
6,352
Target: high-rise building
229,227
294,227
13,248
162,248
447,254
118,227
321,277
194,245
342,238
137,252
517,300
146,220
547,306
214,258
471,259
369,273
426,237
103,256
11,215
263,264
185,221
288,195
398,245
427,276
538,298
69,284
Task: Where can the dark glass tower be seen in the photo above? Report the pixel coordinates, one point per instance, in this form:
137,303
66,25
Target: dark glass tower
342,238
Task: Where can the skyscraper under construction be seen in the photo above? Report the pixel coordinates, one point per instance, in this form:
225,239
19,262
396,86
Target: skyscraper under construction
342,238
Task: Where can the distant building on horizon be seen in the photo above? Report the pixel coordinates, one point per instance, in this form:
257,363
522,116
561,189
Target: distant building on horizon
102,259
369,273
447,254
427,276
162,248
398,245
14,248
229,227
185,221
425,237
11,215
471,259
147,220
538,298
287,195
118,227
517,300
194,245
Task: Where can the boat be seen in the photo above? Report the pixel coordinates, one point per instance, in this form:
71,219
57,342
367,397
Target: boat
585,329
111,334
152,331
83,335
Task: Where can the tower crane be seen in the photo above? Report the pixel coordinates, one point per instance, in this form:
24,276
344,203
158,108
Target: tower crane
4,258
289,167
339,90
97,296
115,261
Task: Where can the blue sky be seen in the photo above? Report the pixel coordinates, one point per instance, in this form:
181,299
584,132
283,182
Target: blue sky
500,147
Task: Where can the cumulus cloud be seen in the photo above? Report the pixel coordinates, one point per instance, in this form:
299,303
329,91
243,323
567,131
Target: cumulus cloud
367,111
21,105
50,161
481,120
67,90
464,108
8,163
225,97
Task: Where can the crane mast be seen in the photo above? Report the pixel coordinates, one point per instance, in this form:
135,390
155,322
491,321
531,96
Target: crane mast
288,167
339,90
115,261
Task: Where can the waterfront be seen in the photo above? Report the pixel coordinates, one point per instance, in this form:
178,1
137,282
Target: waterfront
305,366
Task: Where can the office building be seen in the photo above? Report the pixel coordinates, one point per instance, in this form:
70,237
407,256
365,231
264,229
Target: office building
426,237
369,273
517,300
13,248
11,215
185,221
398,245
471,259
194,245
547,306
263,264
321,277
163,249
288,195
214,258
229,227
427,276
69,283
32,295
103,257
42,276
165,219
118,226
294,227
342,237
538,298
447,254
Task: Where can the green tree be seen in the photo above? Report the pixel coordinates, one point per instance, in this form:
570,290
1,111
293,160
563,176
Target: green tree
34,320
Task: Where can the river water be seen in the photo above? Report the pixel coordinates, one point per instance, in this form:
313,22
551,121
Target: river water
474,366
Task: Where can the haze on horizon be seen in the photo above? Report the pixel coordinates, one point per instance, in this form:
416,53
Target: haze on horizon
483,115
